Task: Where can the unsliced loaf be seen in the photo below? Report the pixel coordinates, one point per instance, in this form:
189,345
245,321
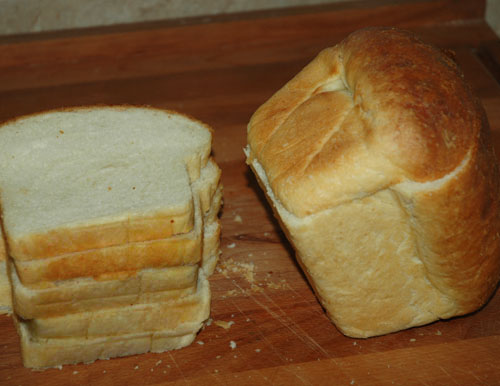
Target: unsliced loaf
69,185
377,160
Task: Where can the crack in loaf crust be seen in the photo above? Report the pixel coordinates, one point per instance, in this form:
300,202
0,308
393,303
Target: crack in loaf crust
377,160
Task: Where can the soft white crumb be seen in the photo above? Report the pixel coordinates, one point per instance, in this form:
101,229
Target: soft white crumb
232,245
104,371
238,219
75,372
136,367
158,363
216,371
439,333
218,357
257,350
354,343
413,340
232,344
353,382
200,342
209,322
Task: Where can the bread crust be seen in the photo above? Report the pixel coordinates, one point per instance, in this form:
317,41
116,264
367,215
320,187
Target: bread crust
377,160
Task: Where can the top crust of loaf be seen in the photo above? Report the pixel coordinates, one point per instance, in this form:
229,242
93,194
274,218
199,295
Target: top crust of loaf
92,177
381,102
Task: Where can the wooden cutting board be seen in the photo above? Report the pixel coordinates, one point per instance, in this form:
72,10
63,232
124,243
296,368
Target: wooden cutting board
267,326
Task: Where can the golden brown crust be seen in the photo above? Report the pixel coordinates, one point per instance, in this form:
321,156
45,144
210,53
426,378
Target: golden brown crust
377,161
380,100
423,114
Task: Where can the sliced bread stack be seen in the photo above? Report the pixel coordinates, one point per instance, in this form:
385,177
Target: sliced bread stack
110,222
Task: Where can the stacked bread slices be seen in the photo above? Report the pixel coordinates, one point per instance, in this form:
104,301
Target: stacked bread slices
111,229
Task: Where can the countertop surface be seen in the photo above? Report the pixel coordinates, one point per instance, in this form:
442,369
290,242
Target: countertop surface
267,325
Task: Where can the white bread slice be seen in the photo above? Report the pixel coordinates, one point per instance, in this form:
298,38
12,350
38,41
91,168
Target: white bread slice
41,354
93,177
181,315
87,294
183,249
149,285
5,290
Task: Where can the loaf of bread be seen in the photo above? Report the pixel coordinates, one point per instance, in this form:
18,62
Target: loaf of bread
378,162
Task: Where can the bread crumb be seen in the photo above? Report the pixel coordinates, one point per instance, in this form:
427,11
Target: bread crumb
352,382
257,350
158,363
218,357
216,371
235,356
238,219
109,188
136,367
104,371
75,372
225,325
231,246
200,342
413,340
248,319
232,344
439,333
256,288
151,370
354,343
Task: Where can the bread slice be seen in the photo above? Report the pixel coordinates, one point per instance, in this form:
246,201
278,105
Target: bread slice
377,161
147,286
47,353
5,290
183,249
181,314
87,178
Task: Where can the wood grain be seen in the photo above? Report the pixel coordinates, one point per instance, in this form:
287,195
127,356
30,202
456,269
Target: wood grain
220,72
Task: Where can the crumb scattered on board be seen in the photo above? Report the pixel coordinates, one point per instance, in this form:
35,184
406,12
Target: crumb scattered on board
232,344
231,268
222,323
